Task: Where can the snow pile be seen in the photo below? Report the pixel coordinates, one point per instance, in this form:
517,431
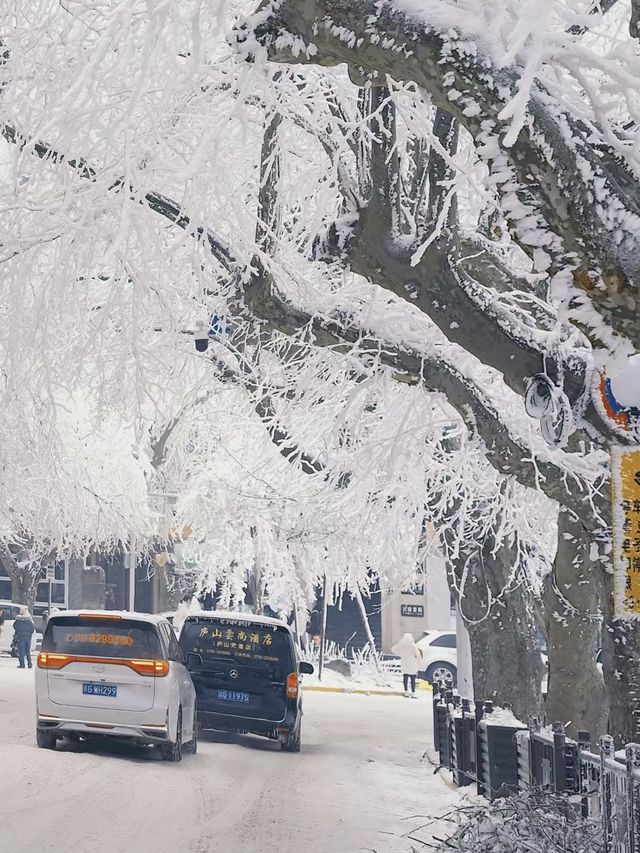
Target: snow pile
625,382
530,823
350,670
503,717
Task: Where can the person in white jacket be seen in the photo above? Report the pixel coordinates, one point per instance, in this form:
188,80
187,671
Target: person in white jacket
410,658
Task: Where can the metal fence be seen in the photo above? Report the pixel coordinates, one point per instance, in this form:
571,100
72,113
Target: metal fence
487,747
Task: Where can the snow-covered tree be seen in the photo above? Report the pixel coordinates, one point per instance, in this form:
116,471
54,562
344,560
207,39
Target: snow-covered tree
438,194
543,105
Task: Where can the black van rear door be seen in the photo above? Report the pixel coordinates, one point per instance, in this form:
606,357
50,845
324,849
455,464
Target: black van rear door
244,668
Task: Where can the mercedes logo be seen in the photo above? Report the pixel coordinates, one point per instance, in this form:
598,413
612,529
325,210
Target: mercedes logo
233,673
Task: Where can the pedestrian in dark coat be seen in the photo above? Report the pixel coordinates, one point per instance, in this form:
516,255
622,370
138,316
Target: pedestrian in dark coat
23,629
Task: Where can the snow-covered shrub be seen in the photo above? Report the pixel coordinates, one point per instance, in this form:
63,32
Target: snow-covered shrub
367,666
529,823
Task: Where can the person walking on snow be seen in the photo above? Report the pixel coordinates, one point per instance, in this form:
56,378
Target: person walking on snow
23,629
410,658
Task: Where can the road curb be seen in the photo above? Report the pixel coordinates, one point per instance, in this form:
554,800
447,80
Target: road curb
361,691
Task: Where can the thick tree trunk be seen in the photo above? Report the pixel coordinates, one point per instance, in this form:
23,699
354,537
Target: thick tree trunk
499,613
621,668
24,587
24,578
253,595
254,588
572,595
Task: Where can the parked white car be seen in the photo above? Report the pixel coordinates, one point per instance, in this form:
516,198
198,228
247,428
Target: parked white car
439,657
10,611
121,675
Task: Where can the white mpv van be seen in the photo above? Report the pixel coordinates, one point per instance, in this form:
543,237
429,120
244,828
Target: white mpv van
107,674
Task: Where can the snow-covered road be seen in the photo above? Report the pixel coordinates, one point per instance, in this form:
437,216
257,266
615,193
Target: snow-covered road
358,785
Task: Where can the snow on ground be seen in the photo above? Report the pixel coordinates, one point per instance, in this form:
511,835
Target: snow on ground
360,784
333,679
330,678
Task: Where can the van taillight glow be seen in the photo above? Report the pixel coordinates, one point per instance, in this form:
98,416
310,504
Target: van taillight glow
49,660
155,668
292,685
158,668
99,616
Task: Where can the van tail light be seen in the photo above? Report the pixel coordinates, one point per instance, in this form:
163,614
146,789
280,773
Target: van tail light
155,668
49,660
99,616
292,685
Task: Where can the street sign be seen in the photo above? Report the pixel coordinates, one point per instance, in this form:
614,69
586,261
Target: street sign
411,610
625,495
51,573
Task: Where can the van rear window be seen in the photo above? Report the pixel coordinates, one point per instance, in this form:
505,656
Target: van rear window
104,638
243,642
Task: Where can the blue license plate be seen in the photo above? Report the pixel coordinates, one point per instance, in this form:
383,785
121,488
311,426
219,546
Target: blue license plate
91,689
233,696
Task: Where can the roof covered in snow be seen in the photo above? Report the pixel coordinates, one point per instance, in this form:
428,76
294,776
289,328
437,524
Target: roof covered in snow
237,617
115,614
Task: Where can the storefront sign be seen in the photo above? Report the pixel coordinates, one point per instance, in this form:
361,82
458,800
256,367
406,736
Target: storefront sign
411,610
625,494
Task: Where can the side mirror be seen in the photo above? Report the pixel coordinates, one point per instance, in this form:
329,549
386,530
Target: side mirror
193,661
306,668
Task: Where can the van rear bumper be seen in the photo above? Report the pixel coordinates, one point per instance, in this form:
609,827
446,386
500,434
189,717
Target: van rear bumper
227,723
148,733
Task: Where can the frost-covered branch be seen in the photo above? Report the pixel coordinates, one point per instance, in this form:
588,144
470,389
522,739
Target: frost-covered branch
155,201
508,455
260,296
458,281
562,181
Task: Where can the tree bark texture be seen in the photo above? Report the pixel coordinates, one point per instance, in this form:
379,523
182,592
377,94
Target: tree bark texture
499,613
621,668
544,158
572,596
24,587
24,578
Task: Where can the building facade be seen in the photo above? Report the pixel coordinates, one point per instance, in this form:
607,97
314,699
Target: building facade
102,582
425,607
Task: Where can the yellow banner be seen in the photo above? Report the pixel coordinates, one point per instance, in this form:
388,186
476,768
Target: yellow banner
625,493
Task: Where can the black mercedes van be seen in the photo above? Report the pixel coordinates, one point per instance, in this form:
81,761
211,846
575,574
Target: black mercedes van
246,672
